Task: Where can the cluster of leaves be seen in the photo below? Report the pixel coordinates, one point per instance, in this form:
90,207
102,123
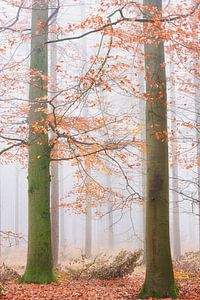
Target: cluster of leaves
117,289
189,263
78,282
103,267
122,288
7,274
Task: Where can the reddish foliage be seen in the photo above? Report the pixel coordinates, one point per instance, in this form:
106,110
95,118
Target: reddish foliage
126,288
189,289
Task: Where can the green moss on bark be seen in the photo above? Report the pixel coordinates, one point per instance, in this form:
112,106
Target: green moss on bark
31,276
148,292
159,280
39,260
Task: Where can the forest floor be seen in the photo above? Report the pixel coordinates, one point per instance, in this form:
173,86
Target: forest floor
123,288
186,270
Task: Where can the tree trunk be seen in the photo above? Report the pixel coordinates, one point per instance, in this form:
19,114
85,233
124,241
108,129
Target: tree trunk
110,216
62,212
54,212
110,227
143,157
88,233
88,217
54,165
17,205
0,214
39,261
197,108
176,219
159,281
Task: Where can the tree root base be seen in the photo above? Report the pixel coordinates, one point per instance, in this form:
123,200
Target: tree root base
31,277
147,292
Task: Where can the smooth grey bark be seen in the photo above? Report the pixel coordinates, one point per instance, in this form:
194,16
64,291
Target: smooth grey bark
74,231
88,217
0,214
17,204
110,217
159,279
176,216
61,210
197,108
110,227
88,232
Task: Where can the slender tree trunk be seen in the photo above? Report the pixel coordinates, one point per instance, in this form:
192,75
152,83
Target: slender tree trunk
17,204
88,217
159,280
176,218
39,261
0,215
88,233
199,198
54,165
62,213
143,157
143,207
110,227
197,108
74,235
110,217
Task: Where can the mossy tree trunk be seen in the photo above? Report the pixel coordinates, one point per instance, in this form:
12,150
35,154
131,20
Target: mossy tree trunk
55,213
39,261
159,281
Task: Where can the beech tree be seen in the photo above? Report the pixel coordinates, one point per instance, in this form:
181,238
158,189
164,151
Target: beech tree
62,212
82,140
39,260
54,166
197,108
175,195
159,280
0,215
88,232
110,219
17,204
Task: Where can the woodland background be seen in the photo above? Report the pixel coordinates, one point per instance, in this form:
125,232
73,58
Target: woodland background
91,109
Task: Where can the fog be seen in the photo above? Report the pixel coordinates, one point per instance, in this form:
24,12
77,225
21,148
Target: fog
114,225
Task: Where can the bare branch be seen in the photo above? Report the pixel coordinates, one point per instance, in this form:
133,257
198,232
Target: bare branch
125,19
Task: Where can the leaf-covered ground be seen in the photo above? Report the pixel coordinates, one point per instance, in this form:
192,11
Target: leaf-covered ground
76,289
126,288
186,269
